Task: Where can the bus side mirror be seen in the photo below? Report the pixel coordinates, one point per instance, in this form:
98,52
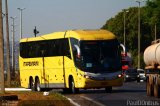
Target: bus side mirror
78,54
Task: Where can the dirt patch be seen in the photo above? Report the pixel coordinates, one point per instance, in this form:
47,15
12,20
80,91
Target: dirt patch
35,98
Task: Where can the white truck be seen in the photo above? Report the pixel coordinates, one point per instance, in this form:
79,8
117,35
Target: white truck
152,62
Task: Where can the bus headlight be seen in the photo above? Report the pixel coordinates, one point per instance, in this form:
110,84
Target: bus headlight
86,76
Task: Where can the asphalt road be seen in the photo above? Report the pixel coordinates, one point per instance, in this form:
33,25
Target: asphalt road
130,94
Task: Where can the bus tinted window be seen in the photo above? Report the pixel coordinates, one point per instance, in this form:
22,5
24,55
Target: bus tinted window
47,48
100,55
74,51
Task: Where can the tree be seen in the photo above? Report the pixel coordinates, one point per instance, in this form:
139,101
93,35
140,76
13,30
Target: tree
152,14
115,25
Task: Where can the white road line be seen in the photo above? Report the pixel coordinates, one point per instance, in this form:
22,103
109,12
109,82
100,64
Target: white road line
74,103
99,104
71,101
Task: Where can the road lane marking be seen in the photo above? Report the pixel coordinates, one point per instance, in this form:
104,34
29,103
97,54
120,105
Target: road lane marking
71,101
89,99
74,103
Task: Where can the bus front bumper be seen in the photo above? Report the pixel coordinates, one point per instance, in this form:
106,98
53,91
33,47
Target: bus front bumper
89,83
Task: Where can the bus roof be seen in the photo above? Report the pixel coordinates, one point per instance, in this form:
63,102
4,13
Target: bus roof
78,34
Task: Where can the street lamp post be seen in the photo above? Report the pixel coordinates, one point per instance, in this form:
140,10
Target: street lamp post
13,56
124,23
3,16
20,9
139,29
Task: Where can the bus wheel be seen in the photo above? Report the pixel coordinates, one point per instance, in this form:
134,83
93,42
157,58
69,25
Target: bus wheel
156,90
72,88
31,84
37,85
108,89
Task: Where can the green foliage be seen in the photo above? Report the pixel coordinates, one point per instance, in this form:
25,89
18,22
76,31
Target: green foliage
149,17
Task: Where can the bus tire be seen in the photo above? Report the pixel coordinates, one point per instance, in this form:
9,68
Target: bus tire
156,90
72,88
138,80
31,84
108,89
37,85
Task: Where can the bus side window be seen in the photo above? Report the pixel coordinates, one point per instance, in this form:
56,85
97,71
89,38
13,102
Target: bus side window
46,48
23,50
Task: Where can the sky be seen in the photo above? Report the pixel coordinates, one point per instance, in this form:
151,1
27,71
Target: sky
60,15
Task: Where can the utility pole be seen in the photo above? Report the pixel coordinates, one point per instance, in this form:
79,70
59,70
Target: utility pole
2,90
124,25
3,16
8,46
20,9
155,31
13,55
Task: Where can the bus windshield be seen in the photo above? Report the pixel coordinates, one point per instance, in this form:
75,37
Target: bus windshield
100,56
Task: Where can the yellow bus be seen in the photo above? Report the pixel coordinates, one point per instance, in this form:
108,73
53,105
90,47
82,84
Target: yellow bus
71,60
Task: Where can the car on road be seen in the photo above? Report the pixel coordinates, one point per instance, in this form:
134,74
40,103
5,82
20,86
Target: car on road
141,74
131,75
